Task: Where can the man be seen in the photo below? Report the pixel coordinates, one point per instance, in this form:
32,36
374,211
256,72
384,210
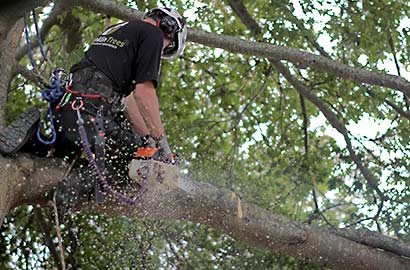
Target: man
123,62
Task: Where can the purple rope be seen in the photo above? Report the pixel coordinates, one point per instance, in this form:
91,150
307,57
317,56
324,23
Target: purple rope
86,146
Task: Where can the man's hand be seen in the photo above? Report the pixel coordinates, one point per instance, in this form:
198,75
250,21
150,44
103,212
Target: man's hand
165,153
156,150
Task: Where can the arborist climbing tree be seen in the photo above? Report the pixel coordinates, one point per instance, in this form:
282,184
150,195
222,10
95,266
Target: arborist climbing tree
109,106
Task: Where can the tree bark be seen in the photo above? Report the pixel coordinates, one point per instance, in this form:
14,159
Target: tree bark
26,180
7,62
11,11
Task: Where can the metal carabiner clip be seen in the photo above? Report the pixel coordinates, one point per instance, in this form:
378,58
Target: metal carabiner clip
79,106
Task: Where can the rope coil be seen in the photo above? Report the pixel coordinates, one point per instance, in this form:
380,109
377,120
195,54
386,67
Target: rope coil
52,95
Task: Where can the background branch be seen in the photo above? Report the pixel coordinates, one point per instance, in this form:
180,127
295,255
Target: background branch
264,50
47,234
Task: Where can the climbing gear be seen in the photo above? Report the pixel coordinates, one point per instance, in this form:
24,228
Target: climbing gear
99,152
19,132
52,94
29,47
96,163
159,174
99,142
173,26
77,93
89,82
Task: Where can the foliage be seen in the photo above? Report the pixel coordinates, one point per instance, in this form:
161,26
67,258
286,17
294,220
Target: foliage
240,125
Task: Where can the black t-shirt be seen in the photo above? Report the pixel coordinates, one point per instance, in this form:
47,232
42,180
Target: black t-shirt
128,53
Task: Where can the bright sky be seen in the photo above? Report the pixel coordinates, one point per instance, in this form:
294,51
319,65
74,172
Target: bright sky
366,126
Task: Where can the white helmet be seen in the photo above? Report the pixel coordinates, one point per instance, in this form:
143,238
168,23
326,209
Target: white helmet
174,28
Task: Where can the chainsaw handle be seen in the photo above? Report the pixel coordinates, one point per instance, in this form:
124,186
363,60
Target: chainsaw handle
146,152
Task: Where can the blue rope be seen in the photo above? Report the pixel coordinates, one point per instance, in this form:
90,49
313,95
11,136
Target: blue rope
29,49
40,43
53,130
51,94
30,52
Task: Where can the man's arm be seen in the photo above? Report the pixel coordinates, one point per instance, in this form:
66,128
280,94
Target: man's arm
147,108
134,116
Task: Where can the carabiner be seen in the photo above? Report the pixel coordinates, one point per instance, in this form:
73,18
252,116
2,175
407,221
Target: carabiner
81,104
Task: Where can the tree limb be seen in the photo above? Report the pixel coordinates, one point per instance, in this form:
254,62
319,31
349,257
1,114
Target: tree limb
264,50
376,240
110,8
394,106
332,118
28,74
299,58
183,199
239,8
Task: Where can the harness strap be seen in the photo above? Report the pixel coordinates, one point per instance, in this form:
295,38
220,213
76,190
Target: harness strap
77,93
99,152
97,170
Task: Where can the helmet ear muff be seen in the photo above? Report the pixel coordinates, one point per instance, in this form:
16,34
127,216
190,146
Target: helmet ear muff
173,25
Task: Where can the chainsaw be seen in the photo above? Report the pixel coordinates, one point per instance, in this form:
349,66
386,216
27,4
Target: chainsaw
151,165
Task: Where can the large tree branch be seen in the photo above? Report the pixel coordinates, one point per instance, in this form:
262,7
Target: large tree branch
179,198
110,8
299,58
265,50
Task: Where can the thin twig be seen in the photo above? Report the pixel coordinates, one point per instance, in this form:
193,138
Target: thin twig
58,231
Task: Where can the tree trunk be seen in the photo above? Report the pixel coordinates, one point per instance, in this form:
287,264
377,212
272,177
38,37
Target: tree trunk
7,62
